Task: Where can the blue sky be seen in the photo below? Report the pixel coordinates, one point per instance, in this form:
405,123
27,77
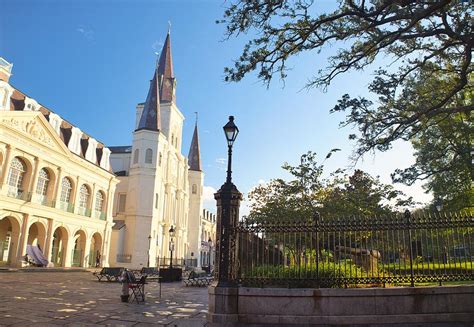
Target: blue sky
91,61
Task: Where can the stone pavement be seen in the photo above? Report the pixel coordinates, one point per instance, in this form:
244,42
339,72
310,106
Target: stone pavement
78,299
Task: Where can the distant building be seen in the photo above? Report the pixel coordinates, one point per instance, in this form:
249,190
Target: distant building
159,188
208,238
56,186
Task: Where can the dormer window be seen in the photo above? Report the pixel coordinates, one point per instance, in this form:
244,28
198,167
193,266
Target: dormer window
55,122
6,92
31,104
91,153
75,141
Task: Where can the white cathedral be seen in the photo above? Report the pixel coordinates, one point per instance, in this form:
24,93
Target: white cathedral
158,203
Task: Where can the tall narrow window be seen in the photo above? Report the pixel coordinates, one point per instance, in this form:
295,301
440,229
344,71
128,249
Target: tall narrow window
194,189
149,156
99,201
159,160
66,188
156,200
84,197
136,154
43,182
122,201
16,175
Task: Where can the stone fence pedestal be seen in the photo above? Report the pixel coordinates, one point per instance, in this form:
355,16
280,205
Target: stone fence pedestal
443,306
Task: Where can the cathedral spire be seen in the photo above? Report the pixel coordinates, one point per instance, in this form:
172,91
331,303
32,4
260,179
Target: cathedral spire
194,152
150,118
165,71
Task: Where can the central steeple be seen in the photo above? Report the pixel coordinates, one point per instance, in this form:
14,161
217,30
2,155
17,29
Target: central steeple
165,72
162,89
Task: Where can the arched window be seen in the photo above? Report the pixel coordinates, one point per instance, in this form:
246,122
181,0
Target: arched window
16,175
194,189
66,188
43,182
99,201
159,160
136,154
84,197
149,156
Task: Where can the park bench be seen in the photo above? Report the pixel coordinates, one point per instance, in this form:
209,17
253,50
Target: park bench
151,272
112,274
197,279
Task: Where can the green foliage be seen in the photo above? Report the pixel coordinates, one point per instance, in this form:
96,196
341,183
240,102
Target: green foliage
331,274
308,193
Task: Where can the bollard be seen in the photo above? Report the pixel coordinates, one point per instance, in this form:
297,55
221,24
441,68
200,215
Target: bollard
125,290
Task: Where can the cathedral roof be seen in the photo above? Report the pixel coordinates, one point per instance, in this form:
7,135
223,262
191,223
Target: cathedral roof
165,71
194,152
18,101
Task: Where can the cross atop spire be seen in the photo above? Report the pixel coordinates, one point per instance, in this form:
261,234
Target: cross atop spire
194,156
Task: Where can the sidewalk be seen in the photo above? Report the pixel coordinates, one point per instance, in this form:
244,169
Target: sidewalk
77,299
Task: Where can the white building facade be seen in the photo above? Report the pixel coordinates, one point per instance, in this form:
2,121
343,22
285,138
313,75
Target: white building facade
159,189
56,187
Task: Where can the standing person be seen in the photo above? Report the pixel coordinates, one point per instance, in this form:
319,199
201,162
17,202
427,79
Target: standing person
97,259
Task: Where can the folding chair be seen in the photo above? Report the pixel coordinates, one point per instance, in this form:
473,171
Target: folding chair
138,288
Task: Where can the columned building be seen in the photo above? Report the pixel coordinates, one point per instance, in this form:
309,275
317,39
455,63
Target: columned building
56,185
159,198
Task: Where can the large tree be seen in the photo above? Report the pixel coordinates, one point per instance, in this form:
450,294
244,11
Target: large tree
414,38
340,195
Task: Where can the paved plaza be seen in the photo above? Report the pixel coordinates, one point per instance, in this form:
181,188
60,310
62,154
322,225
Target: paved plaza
78,299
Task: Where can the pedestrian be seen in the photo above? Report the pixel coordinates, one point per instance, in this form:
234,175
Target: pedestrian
97,259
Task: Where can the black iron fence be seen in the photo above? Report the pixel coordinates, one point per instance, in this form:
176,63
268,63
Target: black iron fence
324,252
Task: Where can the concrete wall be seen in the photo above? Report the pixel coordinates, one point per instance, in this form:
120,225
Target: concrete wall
445,305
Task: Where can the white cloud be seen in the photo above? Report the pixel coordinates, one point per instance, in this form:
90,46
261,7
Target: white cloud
221,161
208,198
261,181
87,32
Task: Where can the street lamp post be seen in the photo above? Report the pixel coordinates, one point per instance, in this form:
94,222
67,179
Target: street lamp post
149,245
228,202
171,231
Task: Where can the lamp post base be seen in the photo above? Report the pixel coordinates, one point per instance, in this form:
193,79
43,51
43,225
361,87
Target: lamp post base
171,274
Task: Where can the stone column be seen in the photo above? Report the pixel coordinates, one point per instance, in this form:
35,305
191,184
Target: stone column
106,246
34,177
92,201
76,194
87,249
49,240
57,189
67,251
7,164
23,237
